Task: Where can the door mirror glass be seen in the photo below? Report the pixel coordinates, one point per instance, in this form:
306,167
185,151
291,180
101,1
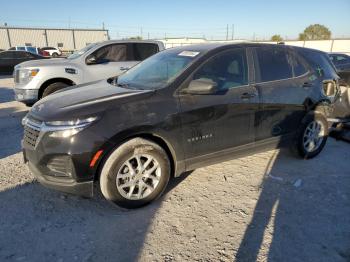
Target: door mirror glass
202,86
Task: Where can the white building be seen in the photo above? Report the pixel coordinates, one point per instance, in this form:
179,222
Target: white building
65,39
334,45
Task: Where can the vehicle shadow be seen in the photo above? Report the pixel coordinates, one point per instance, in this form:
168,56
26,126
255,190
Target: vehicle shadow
6,94
11,131
295,218
51,226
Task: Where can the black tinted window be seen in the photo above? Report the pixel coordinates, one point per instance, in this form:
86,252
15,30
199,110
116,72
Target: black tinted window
112,53
273,64
6,55
228,69
21,55
141,51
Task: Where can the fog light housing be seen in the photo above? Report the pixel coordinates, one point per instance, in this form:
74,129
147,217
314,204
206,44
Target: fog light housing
60,166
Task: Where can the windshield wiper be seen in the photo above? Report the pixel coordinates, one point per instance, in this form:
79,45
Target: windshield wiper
123,85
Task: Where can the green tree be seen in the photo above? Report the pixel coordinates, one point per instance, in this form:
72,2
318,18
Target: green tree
135,38
315,32
276,38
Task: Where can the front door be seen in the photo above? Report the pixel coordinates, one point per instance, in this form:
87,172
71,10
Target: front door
219,122
111,60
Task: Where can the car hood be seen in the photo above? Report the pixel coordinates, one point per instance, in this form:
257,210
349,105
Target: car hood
46,62
84,100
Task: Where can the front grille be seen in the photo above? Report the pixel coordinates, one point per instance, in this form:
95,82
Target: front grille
30,136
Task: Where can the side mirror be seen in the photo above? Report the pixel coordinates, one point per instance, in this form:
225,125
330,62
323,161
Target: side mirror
201,86
91,60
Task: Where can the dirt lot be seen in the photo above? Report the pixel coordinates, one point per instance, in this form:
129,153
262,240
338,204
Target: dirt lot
267,207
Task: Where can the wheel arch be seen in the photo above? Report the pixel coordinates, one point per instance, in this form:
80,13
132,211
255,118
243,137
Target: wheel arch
153,137
54,80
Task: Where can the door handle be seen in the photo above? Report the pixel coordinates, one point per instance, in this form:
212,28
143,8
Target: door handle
124,68
247,95
307,84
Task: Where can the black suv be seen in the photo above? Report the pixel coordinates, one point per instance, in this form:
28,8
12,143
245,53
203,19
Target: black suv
180,109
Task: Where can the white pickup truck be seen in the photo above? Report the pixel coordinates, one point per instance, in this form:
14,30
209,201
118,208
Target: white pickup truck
37,79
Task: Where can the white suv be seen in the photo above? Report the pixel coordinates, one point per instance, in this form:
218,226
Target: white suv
53,51
37,79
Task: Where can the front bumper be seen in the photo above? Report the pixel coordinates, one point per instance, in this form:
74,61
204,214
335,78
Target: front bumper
62,163
26,95
84,189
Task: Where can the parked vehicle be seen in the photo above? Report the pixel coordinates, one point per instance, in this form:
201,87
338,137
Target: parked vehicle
9,59
341,111
94,62
181,109
53,51
31,49
341,61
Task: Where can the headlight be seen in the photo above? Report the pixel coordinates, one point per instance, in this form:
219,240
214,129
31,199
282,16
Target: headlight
25,75
68,128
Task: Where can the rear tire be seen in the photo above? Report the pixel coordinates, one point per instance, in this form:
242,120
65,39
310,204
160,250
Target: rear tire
135,174
53,88
311,136
54,55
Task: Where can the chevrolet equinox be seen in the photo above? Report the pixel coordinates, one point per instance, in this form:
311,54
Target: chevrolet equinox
179,110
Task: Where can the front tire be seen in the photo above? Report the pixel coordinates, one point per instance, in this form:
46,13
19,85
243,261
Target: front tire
312,135
135,174
53,88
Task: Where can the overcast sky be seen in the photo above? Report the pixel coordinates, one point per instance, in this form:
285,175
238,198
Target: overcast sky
177,18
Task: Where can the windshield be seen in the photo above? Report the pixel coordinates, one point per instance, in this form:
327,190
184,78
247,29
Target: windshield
158,70
82,51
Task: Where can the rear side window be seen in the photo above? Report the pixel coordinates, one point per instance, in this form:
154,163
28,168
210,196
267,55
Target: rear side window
6,55
273,64
141,51
112,53
228,69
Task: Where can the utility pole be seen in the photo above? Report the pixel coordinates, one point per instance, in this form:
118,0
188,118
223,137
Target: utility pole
233,31
148,35
103,25
226,32
141,32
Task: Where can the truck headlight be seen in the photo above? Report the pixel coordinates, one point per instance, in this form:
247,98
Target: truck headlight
68,128
25,75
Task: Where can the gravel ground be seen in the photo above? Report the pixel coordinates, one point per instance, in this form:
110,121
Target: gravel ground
266,207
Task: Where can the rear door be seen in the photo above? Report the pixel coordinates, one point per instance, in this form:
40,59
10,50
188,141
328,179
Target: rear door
218,122
281,78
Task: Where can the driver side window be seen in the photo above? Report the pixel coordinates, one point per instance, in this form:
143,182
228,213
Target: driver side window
112,53
228,69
